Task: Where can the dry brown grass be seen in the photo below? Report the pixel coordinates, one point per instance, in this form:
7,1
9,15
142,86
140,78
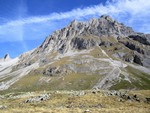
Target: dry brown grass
64,102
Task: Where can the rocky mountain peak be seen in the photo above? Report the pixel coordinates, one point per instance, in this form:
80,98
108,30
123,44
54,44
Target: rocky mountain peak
7,57
106,17
100,53
103,31
74,23
104,26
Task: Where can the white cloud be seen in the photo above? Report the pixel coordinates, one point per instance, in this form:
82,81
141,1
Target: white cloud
128,11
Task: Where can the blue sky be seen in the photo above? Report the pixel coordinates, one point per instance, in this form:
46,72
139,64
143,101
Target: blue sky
24,24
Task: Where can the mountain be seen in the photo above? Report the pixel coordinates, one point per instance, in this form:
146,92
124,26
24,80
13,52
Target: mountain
100,53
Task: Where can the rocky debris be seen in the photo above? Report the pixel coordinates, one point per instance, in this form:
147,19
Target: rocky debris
128,97
50,71
96,106
3,107
125,96
87,111
106,43
114,93
1,97
40,98
79,93
54,71
147,100
129,57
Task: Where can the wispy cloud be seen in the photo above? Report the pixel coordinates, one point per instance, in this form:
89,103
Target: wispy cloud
135,13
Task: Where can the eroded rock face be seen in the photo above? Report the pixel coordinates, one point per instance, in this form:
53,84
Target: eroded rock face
140,48
104,26
142,38
80,43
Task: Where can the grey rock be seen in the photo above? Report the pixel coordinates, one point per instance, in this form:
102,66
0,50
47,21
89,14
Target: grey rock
80,43
146,62
54,71
147,100
133,46
121,55
138,59
78,93
40,98
144,39
3,107
87,111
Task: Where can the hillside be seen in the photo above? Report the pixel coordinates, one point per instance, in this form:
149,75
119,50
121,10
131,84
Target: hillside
98,54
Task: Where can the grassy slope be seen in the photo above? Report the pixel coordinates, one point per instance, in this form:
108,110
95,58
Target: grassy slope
71,81
139,80
78,81
68,103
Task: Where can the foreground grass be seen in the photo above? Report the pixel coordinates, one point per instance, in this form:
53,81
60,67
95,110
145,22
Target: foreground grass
74,102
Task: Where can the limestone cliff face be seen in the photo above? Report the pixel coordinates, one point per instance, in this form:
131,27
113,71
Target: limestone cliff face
104,26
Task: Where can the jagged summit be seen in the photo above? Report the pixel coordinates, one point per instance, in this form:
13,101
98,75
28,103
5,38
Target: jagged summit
104,26
7,57
74,23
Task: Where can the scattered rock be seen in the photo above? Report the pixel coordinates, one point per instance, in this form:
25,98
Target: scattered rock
3,107
79,93
87,111
123,96
96,106
43,97
94,92
147,100
53,71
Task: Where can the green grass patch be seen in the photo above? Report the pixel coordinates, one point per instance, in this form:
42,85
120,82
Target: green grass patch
142,79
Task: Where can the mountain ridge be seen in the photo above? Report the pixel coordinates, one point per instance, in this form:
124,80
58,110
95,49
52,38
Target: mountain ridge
100,53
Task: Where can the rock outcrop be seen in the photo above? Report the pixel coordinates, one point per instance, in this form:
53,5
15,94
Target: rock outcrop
7,57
